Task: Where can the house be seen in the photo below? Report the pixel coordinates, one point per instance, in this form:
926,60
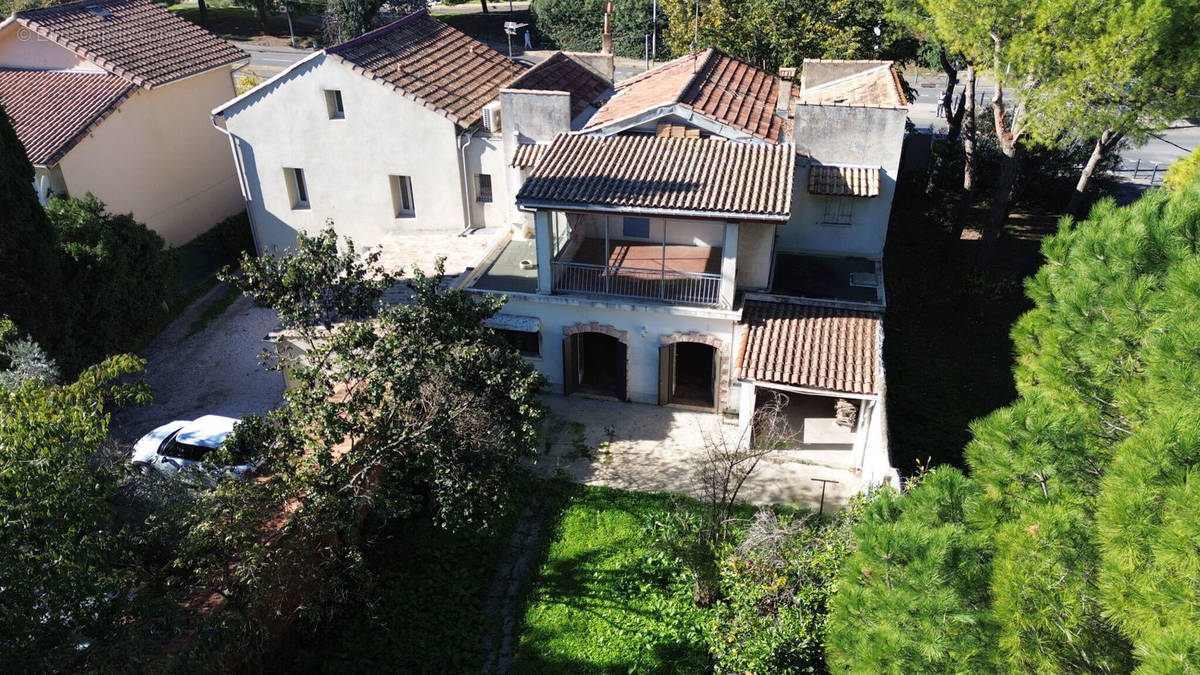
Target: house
393,136
711,234
112,97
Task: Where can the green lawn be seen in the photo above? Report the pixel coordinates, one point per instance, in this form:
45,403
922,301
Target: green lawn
605,601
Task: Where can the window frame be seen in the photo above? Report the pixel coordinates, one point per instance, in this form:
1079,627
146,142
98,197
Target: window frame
297,188
334,104
482,195
402,192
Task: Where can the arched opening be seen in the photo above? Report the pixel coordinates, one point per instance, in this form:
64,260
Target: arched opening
594,363
688,374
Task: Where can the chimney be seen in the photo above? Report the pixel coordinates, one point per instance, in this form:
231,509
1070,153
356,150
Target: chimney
606,46
784,103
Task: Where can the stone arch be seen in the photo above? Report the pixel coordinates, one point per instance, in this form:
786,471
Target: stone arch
593,327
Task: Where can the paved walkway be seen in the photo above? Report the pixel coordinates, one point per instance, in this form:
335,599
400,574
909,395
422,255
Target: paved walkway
649,448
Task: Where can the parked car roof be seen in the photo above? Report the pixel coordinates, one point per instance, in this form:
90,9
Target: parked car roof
208,431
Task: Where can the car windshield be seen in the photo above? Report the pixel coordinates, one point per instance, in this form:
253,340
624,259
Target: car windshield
192,453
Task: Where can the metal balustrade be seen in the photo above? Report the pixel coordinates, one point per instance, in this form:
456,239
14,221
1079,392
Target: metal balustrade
693,288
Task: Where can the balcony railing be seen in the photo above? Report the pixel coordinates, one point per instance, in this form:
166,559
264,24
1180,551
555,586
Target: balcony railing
693,288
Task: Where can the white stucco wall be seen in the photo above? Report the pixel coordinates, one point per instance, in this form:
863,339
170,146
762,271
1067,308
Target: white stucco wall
844,136
157,156
347,161
756,244
645,326
485,155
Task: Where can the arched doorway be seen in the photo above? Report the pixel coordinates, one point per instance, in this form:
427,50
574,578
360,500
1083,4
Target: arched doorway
595,363
689,374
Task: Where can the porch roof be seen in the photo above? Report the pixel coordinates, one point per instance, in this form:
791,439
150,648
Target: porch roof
664,176
810,346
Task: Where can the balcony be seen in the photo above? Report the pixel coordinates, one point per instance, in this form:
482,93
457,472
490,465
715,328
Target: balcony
633,269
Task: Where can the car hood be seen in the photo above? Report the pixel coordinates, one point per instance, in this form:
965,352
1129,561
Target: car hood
146,448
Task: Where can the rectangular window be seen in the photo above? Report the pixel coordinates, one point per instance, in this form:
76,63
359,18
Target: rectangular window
636,227
528,344
838,211
297,189
333,104
402,197
483,187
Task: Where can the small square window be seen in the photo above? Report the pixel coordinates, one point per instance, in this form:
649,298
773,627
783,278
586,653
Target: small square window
296,187
483,185
402,196
636,227
838,211
527,343
333,103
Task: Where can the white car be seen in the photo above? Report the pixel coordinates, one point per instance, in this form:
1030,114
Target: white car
177,448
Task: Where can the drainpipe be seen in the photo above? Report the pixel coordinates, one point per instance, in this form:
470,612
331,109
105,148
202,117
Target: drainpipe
243,182
464,140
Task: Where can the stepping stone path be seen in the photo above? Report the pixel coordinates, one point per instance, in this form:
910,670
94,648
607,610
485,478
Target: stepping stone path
500,642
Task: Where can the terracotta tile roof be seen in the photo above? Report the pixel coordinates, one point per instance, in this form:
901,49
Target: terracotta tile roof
810,346
136,39
434,63
878,86
526,155
665,175
562,73
856,181
52,110
713,84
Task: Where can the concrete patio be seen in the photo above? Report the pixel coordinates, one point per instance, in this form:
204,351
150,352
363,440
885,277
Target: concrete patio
657,449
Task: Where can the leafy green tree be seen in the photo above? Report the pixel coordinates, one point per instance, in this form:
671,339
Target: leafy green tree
314,284
1182,172
30,274
118,279
774,33
65,576
579,26
355,17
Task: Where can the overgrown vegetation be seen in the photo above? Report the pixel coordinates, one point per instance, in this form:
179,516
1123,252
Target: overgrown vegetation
1062,550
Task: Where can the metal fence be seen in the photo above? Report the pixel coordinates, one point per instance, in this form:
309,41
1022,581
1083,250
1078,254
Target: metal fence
1149,173
696,288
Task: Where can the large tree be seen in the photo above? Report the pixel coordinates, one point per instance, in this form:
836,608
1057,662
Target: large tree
1079,501
30,273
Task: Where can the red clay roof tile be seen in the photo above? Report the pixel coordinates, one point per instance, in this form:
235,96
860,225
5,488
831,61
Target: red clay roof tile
706,177
52,110
562,73
810,346
438,65
136,39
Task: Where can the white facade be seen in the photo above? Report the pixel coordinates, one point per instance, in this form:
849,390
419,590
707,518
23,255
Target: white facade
348,161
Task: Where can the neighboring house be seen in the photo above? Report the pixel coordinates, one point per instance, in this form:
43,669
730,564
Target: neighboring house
393,133
112,97
711,234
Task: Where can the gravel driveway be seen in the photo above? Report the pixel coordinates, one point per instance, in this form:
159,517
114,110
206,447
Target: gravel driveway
215,371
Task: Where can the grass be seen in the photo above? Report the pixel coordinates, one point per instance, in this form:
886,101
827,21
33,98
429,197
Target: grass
605,601
214,310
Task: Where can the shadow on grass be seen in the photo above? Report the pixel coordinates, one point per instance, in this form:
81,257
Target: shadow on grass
947,350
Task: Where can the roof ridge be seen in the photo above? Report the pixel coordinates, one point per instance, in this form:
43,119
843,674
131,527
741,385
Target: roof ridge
696,72
382,30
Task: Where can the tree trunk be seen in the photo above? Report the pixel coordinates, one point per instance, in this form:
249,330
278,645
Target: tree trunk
967,197
203,13
1010,166
1107,141
483,6
261,9
953,120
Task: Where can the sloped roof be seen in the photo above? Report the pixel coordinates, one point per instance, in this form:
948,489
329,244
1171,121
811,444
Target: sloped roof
876,86
136,39
562,73
52,110
710,82
705,177
810,346
526,155
854,181
432,62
